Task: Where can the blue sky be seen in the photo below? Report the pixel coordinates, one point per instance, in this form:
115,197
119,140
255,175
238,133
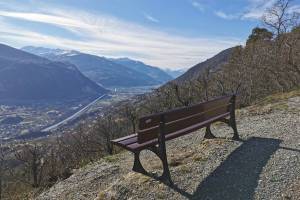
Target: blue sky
166,33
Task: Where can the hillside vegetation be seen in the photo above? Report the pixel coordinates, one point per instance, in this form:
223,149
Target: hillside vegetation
264,165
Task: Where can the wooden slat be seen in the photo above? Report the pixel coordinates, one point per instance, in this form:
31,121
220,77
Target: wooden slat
149,121
139,146
148,134
128,141
173,126
194,119
153,120
195,127
178,114
124,138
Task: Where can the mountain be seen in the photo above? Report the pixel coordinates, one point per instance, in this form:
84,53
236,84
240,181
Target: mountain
24,76
211,63
175,73
99,69
47,52
154,72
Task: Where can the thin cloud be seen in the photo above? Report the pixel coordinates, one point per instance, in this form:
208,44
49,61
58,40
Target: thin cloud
109,36
198,5
223,15
151,18
254,11
257,8
44,18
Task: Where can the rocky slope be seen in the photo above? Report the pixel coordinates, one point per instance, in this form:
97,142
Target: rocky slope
212,64
264,165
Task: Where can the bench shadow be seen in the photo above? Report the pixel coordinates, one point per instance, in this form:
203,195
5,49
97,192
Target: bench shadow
237,177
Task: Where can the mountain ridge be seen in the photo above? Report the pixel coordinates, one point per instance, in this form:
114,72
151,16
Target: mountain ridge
139,66
103,70
213,63
24,76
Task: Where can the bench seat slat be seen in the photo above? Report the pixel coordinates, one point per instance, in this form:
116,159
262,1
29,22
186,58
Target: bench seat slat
140,146
125,142
124,138
128,141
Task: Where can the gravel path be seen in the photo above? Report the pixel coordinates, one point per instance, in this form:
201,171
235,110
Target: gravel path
264,165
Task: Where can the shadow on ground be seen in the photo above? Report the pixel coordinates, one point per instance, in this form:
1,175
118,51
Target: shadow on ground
237,177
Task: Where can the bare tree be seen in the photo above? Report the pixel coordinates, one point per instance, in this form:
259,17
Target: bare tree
160,99
181,92
32,156
132,115
3,168
108,128
204,79
280,17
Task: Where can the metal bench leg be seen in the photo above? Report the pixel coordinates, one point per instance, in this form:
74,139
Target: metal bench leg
166,176
161,153
235,132
232,119
208,133
137,165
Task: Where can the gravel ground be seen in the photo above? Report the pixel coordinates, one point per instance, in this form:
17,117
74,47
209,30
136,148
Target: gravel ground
264,165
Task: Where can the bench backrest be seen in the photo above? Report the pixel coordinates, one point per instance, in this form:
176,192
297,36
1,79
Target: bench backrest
180,118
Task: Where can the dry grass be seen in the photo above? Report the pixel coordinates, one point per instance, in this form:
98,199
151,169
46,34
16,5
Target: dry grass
180,158
279,102
275,98
200,158
111,159
136,178
184,169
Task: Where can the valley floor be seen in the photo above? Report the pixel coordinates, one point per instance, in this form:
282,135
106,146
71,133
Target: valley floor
264,165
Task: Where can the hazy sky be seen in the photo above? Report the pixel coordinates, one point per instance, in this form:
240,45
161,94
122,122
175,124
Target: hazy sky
164,33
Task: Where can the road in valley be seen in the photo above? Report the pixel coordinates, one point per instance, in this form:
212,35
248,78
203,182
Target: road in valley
75,115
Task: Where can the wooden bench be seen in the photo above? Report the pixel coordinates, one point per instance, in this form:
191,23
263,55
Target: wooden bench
155,130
